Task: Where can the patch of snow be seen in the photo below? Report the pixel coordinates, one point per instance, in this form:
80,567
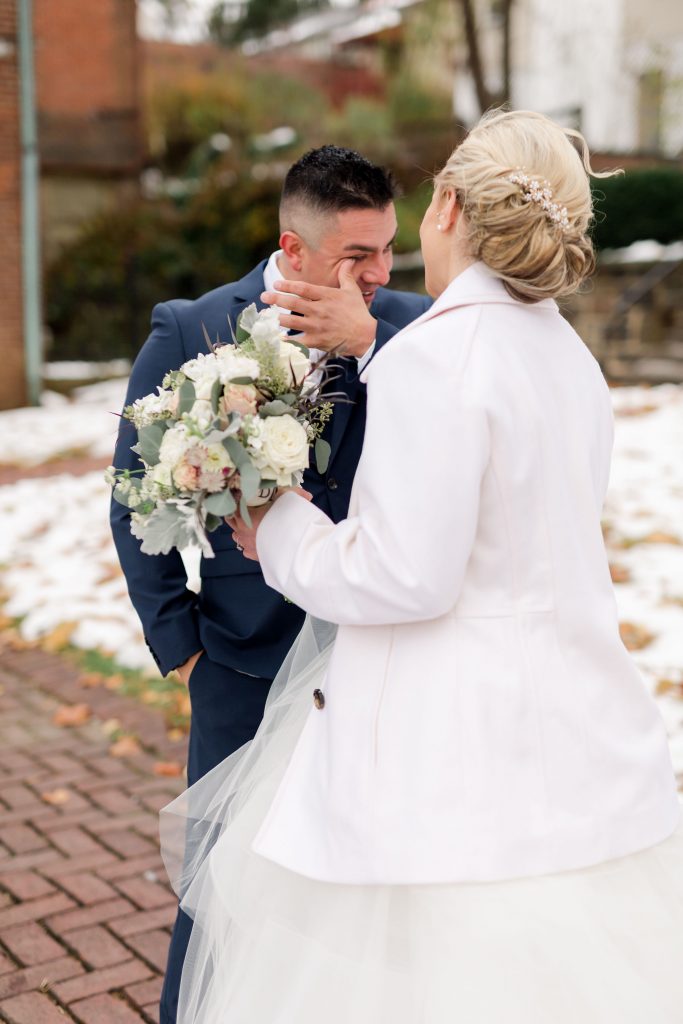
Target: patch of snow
86,424
79,369
644,251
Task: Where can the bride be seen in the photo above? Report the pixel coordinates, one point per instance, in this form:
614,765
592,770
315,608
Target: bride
460,808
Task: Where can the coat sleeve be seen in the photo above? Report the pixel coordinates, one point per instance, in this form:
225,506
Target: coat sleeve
157,584
402,555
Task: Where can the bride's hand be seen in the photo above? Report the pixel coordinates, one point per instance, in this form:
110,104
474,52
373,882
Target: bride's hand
245,536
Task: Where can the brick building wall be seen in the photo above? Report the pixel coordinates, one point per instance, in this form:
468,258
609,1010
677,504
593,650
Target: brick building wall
12,383
87,84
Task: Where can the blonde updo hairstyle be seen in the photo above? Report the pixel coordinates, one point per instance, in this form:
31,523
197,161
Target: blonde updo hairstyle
535,256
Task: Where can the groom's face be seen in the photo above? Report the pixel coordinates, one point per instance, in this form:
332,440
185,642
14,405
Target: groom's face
364,236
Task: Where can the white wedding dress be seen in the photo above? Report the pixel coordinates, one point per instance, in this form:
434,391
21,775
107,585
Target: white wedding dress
595,946
481,720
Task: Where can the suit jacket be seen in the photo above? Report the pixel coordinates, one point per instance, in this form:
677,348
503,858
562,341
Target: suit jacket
482,718
236,618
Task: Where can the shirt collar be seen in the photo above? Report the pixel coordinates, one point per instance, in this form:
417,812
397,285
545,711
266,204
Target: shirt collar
272,273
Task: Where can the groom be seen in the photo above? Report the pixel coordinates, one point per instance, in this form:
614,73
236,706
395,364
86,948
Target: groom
337,227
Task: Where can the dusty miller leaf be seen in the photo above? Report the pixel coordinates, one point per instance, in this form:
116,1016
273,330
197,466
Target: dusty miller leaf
166,528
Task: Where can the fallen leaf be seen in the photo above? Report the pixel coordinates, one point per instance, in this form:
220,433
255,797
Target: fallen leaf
659,537
114,682
636,410
635,637
619,573
176,735
56,797
669,686
171,769
58,638
12,639
111,726
69,715
127,746
150,697
90,679
110,572
183,704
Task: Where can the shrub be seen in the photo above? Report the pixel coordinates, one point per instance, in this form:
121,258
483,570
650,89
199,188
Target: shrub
101,290
640,204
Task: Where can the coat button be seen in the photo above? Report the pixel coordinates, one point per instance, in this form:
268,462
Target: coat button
332,484
319,699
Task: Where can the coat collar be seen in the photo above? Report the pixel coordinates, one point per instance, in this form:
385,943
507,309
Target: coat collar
248,289
475,286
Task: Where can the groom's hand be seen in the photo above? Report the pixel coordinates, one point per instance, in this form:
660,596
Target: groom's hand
185,670
331,318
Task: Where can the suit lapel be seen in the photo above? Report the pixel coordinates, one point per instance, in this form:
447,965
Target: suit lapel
247,291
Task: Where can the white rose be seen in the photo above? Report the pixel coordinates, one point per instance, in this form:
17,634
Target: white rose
267,330
232,364
294,361
283,449
203,372
152,407
174,444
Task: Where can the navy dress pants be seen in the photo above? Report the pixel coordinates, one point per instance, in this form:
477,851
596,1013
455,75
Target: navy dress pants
227,708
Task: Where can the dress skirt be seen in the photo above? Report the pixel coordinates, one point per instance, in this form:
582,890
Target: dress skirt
600,945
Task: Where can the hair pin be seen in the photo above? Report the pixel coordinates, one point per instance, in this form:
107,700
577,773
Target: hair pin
535,191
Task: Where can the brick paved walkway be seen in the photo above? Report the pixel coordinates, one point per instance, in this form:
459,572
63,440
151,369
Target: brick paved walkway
85,909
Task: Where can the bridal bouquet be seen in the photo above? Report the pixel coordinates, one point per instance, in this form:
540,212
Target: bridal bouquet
221,434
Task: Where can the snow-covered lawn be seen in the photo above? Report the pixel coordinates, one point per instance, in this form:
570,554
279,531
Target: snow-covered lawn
87,425
58,564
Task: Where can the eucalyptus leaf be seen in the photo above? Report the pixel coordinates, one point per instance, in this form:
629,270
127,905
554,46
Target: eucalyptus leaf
220,504
237,453
244,511
241,380
149,442
213,522
186,397
276,408
322,455
122,496
250,481
292,340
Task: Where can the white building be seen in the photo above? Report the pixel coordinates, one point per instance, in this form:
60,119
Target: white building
613,68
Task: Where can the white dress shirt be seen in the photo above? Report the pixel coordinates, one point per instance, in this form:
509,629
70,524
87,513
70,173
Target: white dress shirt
271,274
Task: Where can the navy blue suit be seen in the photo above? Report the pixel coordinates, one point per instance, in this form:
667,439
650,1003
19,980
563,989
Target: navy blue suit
244,627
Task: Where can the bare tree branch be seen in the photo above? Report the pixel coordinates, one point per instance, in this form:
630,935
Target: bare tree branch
485,98
474,54
507,51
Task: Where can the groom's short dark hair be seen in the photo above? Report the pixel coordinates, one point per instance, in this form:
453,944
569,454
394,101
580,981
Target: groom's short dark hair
331,179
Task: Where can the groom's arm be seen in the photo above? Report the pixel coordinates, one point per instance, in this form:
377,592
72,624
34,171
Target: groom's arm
157,584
